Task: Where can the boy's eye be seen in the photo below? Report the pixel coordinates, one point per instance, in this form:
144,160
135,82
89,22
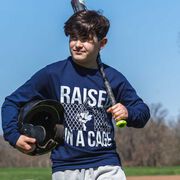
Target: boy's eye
76,39
73,39
83,40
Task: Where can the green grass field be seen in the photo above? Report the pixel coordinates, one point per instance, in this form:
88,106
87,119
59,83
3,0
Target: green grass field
45,173
25,174
142,171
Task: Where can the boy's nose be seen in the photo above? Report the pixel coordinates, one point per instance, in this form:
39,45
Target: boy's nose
79,43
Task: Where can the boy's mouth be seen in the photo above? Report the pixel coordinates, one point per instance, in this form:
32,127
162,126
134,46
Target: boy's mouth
78,52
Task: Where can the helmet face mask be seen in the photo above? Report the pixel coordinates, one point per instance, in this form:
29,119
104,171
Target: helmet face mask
40,119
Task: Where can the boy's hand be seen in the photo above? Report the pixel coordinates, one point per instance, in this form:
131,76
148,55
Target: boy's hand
119,112
25,144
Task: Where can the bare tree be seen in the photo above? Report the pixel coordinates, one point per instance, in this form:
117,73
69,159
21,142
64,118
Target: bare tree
11,157
155,145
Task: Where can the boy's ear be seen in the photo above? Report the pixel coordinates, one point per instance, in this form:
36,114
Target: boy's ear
103,42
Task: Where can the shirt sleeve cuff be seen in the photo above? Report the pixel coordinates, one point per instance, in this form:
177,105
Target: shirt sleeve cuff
12,138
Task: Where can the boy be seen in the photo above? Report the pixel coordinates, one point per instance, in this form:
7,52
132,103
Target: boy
89,149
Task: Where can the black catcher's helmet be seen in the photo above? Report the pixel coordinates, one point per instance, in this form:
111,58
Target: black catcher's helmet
42,120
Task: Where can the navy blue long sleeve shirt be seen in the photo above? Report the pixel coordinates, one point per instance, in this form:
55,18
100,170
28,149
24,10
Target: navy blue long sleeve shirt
89,133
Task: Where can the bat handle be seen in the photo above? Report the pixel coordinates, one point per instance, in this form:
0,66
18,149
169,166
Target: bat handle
121,123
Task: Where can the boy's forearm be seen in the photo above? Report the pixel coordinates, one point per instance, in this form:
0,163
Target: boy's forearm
10,122
138,115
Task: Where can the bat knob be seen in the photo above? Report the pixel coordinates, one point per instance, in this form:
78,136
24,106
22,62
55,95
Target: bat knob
121,123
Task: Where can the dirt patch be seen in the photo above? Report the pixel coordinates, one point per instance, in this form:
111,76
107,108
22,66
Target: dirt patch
153,178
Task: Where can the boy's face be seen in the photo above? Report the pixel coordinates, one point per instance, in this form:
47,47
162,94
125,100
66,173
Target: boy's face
84,52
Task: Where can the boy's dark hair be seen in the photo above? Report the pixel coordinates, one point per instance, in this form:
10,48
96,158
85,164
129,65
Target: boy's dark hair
85,24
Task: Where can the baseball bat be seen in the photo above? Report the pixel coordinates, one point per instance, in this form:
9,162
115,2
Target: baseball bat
79,5
120,123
